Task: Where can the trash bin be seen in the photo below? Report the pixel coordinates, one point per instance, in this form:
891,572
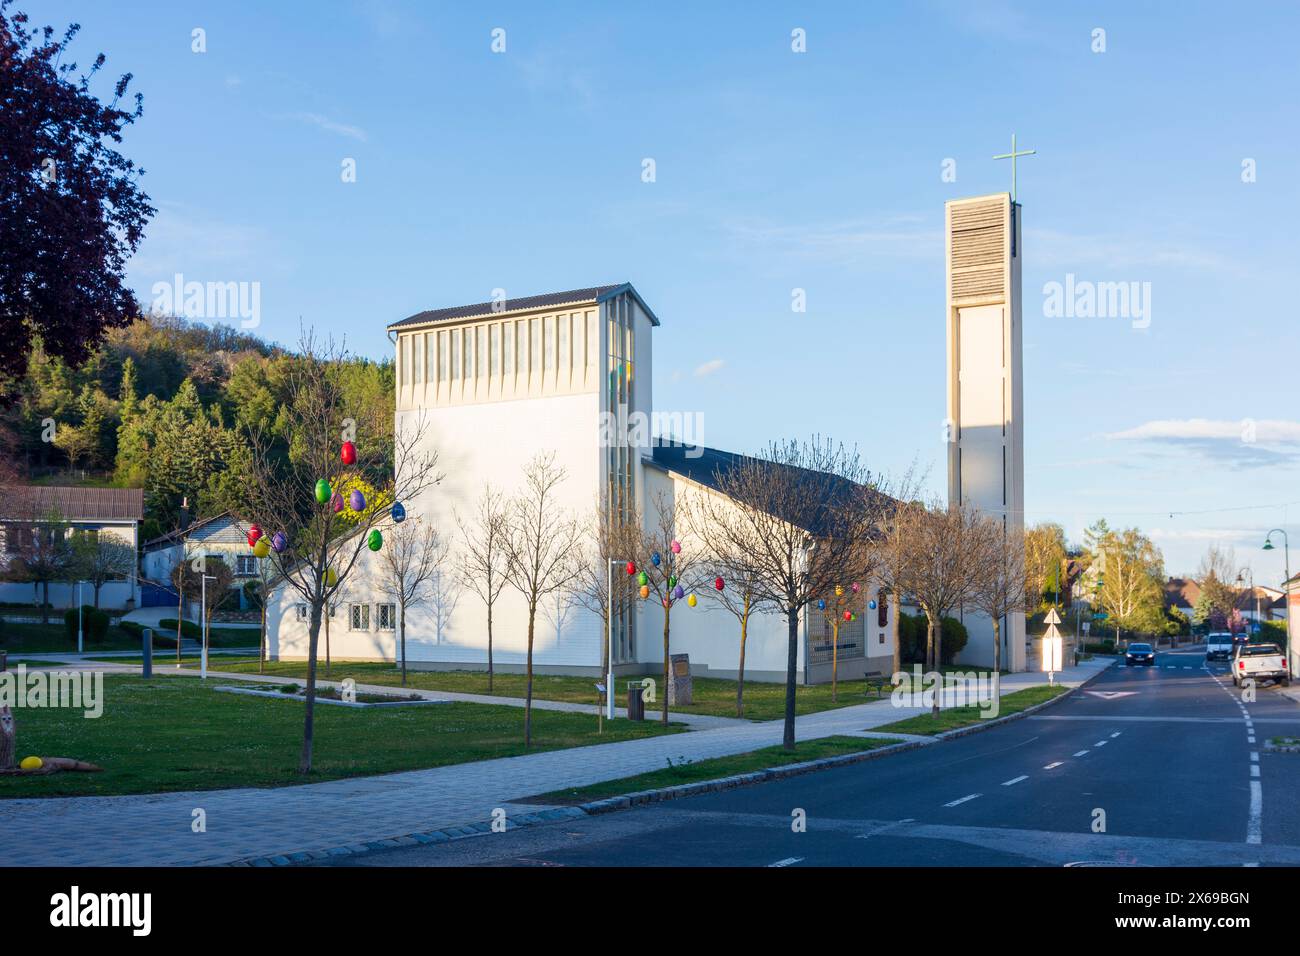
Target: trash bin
635,703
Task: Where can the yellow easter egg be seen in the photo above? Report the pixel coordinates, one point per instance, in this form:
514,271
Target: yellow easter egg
31,763
691,600
331,578
261,548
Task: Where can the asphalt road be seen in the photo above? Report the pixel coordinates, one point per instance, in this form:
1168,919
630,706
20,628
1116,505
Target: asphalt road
1166,757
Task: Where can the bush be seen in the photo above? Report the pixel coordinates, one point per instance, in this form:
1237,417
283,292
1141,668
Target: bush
93,622
188,628
912,634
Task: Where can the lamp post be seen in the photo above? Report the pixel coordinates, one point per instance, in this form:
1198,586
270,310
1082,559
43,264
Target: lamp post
1286,594
203,612
79,616
609,640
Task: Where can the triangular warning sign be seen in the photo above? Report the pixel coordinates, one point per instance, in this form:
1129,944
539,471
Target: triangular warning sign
1052,617
1052,632
1110,694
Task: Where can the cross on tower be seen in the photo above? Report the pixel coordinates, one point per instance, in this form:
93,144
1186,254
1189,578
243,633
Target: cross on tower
1012,156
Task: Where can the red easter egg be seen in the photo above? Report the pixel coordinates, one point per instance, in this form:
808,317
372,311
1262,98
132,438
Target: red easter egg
717,583
631,568
348,453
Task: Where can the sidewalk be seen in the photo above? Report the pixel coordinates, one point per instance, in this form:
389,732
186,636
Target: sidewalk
241,824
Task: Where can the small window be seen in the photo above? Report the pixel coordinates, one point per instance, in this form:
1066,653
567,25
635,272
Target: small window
508,348
387,617
245,566
301,610
359,617
442,355
431,356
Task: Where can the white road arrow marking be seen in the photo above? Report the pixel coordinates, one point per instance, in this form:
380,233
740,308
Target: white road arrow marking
1111,694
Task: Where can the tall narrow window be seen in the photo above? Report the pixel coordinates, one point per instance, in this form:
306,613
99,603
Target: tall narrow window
417,357
431,356
535,349
548,341
563,338
469,355
455,354
496,349
442,356
593,339
482,351
508,348
521,355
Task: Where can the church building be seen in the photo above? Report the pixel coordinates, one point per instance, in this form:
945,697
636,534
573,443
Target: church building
493,385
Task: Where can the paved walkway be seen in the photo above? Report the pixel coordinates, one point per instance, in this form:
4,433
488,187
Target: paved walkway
156,829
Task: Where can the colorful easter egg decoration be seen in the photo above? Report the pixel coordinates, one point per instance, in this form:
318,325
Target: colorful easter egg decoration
331,578
665,602
375,541
872,605
848,615
678,593
691,601
336,502
31,763
399,512
279,542
356,500
645,591
262,548
643,579
322,491
718,584
348,453
254,532
839,591
677,547
855,587
631,568
821,605
655,559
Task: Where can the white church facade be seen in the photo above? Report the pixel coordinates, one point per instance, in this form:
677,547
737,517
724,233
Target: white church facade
493,385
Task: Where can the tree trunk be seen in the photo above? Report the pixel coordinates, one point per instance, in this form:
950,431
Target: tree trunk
313,643
327,638
489,647
929,643
897,625
791,664
403,625
261,644
997,657
45,602
8,739
180,616
835,661
97,587
740,672
528,689
937,630
664,718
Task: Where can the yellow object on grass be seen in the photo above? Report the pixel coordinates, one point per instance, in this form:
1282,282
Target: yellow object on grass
31,763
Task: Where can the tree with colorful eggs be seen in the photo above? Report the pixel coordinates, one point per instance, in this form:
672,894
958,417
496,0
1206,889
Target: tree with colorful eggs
837,608
666,570
313,534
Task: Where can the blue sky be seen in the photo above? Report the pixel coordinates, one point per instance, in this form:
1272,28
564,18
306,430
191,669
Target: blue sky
774,171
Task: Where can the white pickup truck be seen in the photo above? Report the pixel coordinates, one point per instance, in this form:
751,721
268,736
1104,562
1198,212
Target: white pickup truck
1259,662
1218,646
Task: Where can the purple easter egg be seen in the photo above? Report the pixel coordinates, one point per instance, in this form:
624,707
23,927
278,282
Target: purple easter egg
357,501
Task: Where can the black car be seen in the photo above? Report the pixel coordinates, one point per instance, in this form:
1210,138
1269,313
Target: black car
1139,654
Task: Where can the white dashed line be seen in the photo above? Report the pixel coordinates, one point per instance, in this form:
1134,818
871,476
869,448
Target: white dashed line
1116,734
969,796
1101,743
1254,825
1015,780
788,861
1081,753
1056,763
1254,756
1254,770
1250,739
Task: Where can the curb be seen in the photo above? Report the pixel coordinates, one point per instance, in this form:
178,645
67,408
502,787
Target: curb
988,724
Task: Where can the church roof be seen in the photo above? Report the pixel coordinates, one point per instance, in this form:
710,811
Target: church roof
594,294
708,467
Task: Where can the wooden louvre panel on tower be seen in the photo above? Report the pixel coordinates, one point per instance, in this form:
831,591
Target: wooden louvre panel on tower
978,249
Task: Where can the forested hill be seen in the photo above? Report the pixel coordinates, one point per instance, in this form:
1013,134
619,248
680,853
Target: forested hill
162,404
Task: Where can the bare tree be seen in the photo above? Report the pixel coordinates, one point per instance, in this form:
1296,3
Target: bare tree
597,583
542,551
1003,587
411,557
893,552
39,554
805,513
742,595
836,609
98,559
482,566
320,549
665,570
187,577
948,547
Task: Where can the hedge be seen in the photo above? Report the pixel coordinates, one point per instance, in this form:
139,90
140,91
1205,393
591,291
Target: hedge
912,638
92,621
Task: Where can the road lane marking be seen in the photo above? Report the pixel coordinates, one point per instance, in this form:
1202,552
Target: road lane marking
1254,770
969,796
1250,739
1254,757
1254,826
788,861
1116,734
1015,780
1101,743
1081,753
1055,763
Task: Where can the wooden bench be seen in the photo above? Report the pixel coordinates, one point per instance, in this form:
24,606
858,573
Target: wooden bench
876,680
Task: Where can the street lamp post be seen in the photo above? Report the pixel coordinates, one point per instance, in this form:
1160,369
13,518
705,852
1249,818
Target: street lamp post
1286,595
203,613
80,641
609,640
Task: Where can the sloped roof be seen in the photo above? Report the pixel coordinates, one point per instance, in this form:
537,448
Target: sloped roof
593,294
1181,592
222,528
708,467
30,502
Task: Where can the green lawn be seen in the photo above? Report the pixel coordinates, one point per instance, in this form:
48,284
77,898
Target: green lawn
713,696
173,733
700,770
956,717
53,638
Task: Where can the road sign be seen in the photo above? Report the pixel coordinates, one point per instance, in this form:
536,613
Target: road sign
1087,626
1052,617
1110,694
1052,651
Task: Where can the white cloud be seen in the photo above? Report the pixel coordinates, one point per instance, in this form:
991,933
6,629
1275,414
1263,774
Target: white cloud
708,368
1183,429
329,125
